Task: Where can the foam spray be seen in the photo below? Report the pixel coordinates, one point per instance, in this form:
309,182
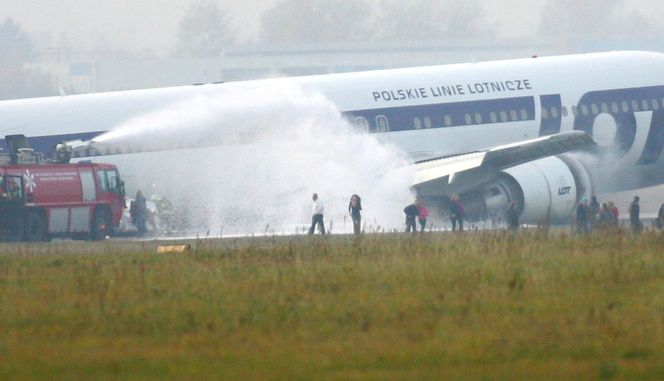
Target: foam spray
248,162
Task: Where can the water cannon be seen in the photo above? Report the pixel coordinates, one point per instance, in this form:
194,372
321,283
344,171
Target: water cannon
73,148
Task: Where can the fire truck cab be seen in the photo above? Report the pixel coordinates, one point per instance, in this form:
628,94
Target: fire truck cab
41,200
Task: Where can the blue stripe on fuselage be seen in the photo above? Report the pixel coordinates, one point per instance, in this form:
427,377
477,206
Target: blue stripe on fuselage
442,115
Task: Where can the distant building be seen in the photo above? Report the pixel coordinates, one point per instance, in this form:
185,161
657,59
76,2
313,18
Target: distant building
82,72
241,63
95,71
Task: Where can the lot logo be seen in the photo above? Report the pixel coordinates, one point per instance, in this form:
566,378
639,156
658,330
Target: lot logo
564,190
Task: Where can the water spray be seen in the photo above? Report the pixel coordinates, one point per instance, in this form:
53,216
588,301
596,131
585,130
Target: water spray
249,159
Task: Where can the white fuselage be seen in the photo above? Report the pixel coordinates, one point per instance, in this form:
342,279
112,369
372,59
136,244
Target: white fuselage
438,110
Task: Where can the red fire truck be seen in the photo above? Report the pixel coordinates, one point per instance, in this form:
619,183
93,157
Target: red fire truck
40,200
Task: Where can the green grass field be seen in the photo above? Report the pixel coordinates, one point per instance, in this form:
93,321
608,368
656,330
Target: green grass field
480,306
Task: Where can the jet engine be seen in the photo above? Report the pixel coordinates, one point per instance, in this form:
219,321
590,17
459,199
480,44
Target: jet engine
545,190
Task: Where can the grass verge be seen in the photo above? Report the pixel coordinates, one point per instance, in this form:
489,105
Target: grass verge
383,307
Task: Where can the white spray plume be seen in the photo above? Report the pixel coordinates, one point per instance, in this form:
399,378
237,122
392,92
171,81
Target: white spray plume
268,149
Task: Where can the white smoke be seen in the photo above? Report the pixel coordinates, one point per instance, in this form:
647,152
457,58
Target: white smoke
267,149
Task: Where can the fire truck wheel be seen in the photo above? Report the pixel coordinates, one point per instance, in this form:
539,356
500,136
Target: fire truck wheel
101,224
35,227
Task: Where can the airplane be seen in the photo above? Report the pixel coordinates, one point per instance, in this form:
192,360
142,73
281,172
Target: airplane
545,132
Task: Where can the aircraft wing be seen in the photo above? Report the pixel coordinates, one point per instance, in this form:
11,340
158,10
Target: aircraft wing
492,160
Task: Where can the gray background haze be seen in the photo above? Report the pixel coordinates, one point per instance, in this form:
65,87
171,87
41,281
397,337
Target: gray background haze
153,24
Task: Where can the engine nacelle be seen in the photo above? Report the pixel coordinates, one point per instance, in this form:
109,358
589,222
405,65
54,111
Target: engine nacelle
549,187
545,190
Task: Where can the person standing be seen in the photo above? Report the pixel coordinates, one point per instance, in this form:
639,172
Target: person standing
512,217
593,212
634,212
355,209
138,211
616,213
660,217
317,215
582,217
412,211
456,213
422,216
605,219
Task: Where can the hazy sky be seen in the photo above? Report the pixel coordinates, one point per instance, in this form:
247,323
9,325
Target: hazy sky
152,24
133,24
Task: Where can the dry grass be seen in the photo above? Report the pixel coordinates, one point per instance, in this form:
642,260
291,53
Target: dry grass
384,307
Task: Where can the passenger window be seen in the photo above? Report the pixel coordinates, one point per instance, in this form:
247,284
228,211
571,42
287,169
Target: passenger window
545,114
605,108
478,118
427,122
635,106
503,116
468,119
644,105
513,115
362,124
524,114
554,112
448,120
584,109
614,107
564,109
417,123
625,106
655,104
594,109
493,117
382,124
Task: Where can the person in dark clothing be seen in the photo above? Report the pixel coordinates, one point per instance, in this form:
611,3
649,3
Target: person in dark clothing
456,213
660,217
422,216
634,212
138,211
582,217
355,209
512,217
412,211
